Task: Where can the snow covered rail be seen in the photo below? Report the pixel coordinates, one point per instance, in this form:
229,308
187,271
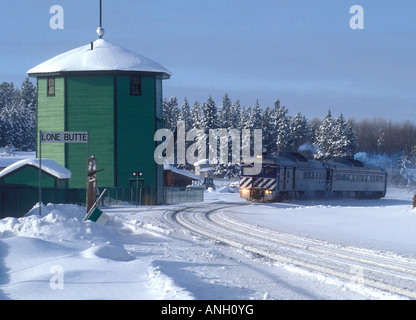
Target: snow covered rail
359,266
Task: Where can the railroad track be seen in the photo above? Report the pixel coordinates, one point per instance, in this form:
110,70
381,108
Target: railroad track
384,271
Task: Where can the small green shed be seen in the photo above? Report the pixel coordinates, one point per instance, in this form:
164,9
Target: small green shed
116,96
26,172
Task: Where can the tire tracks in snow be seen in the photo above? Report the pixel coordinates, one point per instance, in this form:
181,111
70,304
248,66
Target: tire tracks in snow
380,270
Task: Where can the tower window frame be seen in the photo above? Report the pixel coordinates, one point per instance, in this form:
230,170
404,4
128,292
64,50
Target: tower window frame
50,87
135,86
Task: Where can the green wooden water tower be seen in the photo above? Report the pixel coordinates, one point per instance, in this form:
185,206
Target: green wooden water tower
115,95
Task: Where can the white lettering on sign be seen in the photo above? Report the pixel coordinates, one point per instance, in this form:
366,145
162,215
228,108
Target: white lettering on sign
64,137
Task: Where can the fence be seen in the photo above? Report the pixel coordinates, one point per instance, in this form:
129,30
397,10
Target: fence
191,194
17,200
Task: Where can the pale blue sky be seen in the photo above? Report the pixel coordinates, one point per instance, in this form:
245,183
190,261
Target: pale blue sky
302,52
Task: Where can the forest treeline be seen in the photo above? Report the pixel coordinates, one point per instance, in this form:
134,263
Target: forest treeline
317,138
330,136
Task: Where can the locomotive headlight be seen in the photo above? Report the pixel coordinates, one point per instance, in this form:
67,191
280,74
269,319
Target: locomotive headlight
244,190
268,192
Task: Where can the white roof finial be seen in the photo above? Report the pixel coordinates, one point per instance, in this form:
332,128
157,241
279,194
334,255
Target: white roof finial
100,29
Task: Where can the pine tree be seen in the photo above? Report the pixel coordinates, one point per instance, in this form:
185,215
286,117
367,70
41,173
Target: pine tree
352,139
299,132
244,117
170,113
27,105
235,115
339,146
281,123
18,116
209,119
196,115
7,97
185,114
256,119
224,117
324,138
268,133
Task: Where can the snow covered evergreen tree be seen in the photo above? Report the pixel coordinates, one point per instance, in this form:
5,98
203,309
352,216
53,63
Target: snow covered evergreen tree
299,132
195,115
18,115
268,131
340,143
324,138
281,123
352,139
209,116
235,115
170,113
224,116
255,116
335,138
7,97
185,114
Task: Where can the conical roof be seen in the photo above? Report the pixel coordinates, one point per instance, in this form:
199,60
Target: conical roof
103,57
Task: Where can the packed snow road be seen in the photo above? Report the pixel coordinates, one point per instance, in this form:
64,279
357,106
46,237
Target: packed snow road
371,268
222,248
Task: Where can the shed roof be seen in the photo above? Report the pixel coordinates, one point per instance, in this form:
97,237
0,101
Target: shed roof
48,165
168,167
103,57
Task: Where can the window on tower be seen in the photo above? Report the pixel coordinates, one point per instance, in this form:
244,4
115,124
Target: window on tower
51,86
135,86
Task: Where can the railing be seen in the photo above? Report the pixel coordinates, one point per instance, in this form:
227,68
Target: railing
185,194
17,200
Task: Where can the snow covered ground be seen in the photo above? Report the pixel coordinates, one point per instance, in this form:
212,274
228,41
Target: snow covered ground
142,253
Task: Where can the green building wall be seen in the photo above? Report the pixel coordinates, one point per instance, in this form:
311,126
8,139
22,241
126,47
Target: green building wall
51,117
90,107
136,127
29,175
121,127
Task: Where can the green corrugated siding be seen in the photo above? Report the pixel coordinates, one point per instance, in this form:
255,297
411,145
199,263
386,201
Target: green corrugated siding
159,125
90,107
29,175
51,117
135,131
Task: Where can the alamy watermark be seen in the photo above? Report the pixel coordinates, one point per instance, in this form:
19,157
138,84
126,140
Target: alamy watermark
57,20
196,145
57,279
357,20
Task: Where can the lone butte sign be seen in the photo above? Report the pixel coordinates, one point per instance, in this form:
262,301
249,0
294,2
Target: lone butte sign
64,137
58,137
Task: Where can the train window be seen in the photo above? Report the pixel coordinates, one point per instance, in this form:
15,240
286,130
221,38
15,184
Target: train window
247,171
351,178
268,171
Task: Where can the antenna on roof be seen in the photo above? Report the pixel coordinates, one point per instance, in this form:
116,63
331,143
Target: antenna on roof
100,29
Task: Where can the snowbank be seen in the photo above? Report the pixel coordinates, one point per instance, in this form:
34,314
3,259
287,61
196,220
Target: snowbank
58,256
140,254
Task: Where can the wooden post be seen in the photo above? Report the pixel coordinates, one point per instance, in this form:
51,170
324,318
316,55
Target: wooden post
91,182
414,200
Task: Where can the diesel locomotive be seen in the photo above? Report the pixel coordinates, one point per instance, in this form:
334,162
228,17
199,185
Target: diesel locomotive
292,176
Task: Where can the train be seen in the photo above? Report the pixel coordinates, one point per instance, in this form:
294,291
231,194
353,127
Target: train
287,176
